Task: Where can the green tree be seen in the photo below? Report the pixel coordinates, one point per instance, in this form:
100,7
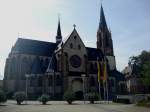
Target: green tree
141,64
146,74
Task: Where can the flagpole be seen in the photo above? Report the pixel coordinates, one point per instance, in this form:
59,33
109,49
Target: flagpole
98,76
107,91
107,83
100,90
104,92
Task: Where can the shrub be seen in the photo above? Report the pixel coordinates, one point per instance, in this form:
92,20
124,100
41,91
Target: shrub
145,103
44,99
3,97
124,101
69,96
9,95
19,97
92,96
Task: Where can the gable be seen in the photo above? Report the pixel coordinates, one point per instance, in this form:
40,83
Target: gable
74,42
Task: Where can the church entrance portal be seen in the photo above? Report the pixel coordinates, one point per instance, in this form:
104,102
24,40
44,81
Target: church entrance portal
77,87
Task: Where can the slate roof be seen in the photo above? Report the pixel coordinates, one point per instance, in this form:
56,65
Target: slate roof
40,48
94,53
119,76
37,67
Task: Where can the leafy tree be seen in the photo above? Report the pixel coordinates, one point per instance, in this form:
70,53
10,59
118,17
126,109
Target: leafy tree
3,97
146,74
44,99
141,64
19,97
69,96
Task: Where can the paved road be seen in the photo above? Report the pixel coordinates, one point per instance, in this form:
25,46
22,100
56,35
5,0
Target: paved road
59,106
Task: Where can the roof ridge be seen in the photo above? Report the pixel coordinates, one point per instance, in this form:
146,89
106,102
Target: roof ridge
35,40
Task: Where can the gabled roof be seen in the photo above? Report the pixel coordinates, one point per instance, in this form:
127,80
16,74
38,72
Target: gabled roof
94,53
35,47
64,41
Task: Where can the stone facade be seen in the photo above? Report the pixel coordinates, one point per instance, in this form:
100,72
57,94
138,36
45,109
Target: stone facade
43,67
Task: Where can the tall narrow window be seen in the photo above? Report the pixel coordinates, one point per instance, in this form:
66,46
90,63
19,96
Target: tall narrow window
79,47
71,45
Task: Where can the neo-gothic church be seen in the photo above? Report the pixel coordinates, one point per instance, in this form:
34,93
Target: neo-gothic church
39,67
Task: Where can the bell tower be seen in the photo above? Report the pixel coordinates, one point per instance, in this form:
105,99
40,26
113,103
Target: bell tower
104,40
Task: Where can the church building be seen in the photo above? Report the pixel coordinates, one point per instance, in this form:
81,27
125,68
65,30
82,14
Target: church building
39,67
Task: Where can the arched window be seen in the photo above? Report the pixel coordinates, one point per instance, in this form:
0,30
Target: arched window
91,66
71,45
40,81
50,80
107,41
92,81
95,66
58,80
79,47
32,81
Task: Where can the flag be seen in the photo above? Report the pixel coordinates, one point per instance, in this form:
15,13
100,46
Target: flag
104,71
99,70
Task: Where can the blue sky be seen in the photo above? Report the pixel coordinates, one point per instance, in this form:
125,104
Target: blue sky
129,21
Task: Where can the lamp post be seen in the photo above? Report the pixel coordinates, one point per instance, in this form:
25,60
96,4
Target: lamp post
83,78
27,76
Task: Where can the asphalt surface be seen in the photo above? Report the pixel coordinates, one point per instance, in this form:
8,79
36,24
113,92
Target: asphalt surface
78,106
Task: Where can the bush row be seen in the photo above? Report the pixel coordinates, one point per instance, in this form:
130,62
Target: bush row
69,96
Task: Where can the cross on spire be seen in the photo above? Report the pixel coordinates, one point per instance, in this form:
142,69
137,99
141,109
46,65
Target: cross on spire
74,26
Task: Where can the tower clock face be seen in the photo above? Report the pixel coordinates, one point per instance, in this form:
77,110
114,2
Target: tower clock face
75,61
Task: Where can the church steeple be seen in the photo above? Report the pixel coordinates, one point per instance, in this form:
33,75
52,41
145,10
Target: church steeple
58,36
102,24
104,40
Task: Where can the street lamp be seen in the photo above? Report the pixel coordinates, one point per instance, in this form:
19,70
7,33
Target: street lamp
83,78
27,76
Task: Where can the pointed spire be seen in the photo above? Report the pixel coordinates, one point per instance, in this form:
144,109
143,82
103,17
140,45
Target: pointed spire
58,36
59,28
102,24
